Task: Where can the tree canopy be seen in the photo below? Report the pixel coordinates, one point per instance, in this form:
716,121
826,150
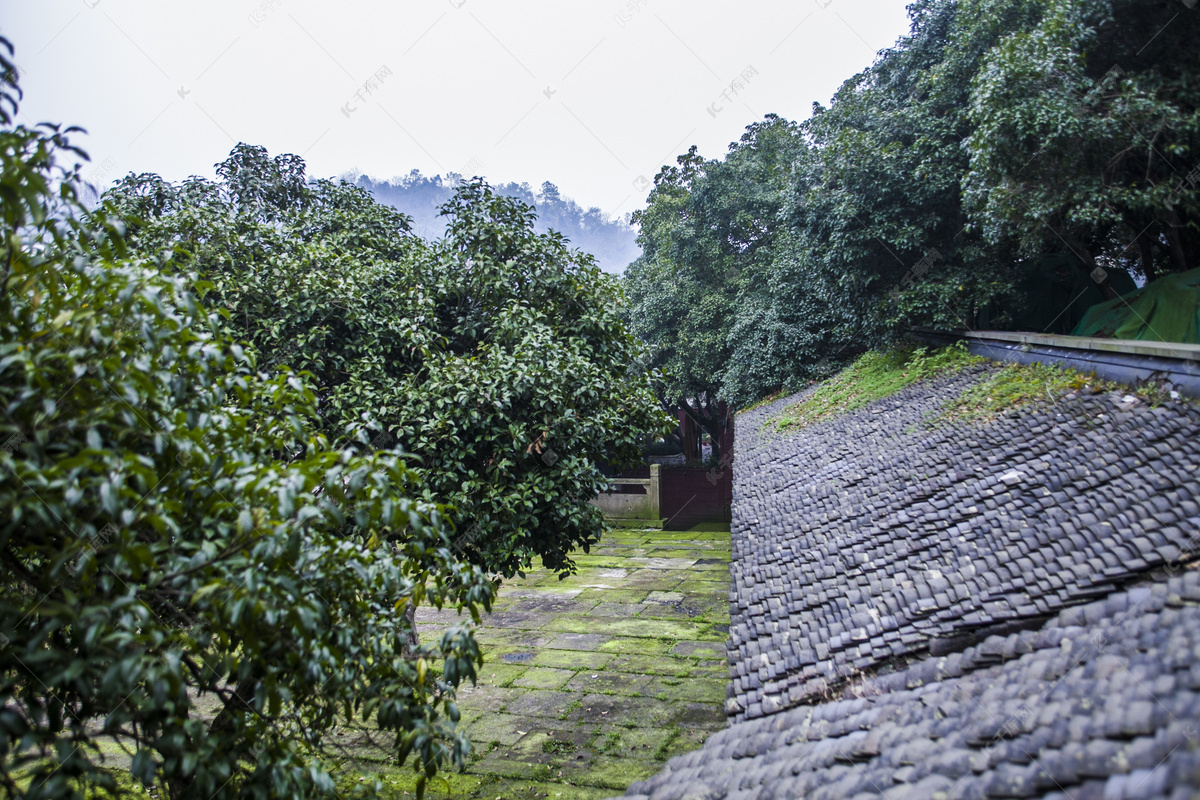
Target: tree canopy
996,134
495,356
249,426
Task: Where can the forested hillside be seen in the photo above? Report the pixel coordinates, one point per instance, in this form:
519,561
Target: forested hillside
612,241
986,171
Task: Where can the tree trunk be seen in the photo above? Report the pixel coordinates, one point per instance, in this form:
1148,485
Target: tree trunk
240,702
1146,254
1173,229
1087,263
411,641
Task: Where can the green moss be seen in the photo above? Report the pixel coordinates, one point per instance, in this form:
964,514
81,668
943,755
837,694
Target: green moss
873,376
667,631
771,398
558,747
571,708
544,678
618,773
672,735
641,647
1014,386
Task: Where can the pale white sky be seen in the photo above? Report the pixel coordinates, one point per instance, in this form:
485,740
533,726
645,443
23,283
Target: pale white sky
593,96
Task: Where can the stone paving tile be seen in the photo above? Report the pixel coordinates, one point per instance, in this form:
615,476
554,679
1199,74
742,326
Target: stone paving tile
544,678
591,683
578,641
615,610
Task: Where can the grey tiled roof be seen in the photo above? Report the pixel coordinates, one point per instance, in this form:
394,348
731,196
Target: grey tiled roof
965,610
872,539
1100,703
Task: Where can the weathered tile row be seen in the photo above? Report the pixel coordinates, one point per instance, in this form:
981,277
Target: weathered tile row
873,538
961,610
1102,702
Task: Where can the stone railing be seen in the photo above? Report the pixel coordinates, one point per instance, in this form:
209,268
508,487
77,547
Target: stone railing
634,509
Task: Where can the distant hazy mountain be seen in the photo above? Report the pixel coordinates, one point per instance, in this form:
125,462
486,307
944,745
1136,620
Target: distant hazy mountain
611,241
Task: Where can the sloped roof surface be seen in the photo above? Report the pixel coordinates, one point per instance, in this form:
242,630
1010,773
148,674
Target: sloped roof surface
1101,703
872,539
962,610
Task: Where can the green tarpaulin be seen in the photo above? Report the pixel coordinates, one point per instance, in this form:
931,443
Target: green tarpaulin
1167,310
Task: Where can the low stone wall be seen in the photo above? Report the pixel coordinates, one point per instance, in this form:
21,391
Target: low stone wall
671,497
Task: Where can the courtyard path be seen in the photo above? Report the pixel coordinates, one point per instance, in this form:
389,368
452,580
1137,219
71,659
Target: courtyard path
592,682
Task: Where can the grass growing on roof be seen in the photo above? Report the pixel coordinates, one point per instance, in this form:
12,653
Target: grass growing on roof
871,377
1014,386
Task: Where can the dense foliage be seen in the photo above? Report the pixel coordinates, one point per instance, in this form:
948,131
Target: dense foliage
496,356
249,426
996,135
179,536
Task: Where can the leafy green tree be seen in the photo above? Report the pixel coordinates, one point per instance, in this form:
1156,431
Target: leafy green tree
188,568
496,357
681,295
710,240
878,213
1087,131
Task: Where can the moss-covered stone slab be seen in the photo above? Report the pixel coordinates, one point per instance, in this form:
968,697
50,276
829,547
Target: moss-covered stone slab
571,659
537,703
576,641
548,605
498,674
496,729
663,563
656,578
623,610
552,744
671,666
703,690
525,620
634,712
634,646
610,683
706,587
544,678
444,617
615,594
697,715
487,698
697,649
674,630
618,773
677,611
496,641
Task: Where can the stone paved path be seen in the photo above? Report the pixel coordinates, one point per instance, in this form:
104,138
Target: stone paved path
592,682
